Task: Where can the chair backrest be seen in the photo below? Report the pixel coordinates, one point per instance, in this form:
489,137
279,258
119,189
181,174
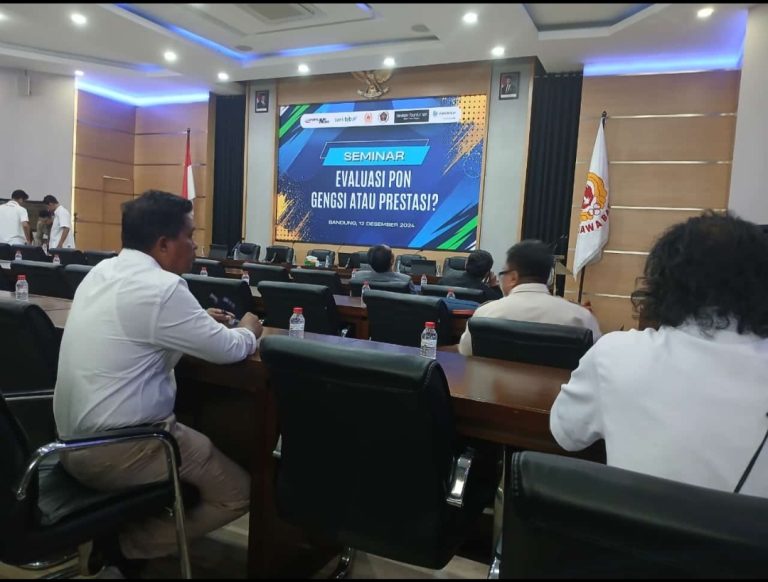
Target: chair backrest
258,273
6,254
396,318
330,279
455,264
95,257
379,428
423,267
356,286
404,263
461,292
43,278
320,314
571,518
247,251
321,254
15,515
70,256
353,260
217,251
212,292
279,254
75,275
30,253
544,344
214,268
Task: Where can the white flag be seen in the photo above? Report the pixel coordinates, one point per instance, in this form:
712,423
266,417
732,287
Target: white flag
188,180
593,226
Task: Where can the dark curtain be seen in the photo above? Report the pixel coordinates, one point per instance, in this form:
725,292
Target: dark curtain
551,158
228,170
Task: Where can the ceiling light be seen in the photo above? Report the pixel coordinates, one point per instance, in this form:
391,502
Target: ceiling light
3,16
389,62
223,76
303,69
497,51
170,56
78,19
470,18
79,73
705,12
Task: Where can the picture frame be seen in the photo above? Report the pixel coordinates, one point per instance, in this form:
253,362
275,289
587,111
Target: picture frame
261,98
509,85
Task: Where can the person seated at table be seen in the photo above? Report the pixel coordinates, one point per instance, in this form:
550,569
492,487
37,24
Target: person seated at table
688,401
131,320
478,275
527,297
381,259
43,228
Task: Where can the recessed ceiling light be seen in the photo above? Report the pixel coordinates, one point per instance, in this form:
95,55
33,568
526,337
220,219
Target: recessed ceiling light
78,19
470,18
389,62
303,69
497,51
79,73
223,76
705,12
3,16
170,56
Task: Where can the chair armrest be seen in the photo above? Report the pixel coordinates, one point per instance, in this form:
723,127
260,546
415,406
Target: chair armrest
460,475
30,395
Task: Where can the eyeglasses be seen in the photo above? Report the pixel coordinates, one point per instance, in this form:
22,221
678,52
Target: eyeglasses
505,272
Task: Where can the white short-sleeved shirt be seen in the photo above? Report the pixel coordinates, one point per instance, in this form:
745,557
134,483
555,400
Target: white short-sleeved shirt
62,219
129,324
676,403
12,215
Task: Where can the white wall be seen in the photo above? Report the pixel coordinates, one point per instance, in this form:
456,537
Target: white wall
749,174
37,134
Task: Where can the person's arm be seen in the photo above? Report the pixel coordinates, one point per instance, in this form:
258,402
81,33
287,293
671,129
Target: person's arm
64,235
65,223
182,325
27,231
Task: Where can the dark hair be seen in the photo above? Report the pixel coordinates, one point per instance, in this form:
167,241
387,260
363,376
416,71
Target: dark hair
19,195
479,263
44,214
532,259
712,268
50,200
380,258
152,215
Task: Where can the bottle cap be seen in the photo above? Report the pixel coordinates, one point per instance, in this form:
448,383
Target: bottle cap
22,278
430,325
298,310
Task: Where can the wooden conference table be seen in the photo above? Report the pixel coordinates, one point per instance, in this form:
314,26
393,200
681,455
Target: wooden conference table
494,400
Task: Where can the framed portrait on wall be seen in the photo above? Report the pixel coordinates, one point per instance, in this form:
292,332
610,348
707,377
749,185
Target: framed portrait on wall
262,101
509,85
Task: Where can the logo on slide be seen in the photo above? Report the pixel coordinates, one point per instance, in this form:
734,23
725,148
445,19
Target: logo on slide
368,117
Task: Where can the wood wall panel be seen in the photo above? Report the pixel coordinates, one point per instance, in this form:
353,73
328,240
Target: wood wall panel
88,236
104,143
618,273
104,112
611,312
113,212
111,237
168,179
170,118
167,148
90,173
89,206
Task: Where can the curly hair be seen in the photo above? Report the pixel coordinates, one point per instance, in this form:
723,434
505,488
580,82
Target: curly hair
712,269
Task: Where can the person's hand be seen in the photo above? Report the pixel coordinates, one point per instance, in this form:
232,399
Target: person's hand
492,280
250,321
221,316
587,305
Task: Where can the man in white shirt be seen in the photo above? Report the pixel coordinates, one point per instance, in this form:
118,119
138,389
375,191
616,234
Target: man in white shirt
61,229
14,220
527,297
687,402
131,320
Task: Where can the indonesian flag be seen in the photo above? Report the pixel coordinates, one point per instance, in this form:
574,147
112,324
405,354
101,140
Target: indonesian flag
593,227
188,185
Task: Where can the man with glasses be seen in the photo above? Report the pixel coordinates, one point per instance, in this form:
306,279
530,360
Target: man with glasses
526,295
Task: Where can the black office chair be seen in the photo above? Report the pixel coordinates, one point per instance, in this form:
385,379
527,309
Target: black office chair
30,253
75,275
404,263
247,251
259,273
6,253
218,251
570,518
214,268
69,256
321,254
95,257
544,344
356,286
320,313
330,279
231,294
461,292
353,260
423,267
396,318
43,278
368,454
454,264
279,254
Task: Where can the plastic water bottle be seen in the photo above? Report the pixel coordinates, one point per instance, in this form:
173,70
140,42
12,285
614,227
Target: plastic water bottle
22,288
246,277
451,294
327,261
424,280
363,291
18,256
203,271
45,248
429,341
296,323
56,259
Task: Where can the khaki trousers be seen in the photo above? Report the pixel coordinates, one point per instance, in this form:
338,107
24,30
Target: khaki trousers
224,486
